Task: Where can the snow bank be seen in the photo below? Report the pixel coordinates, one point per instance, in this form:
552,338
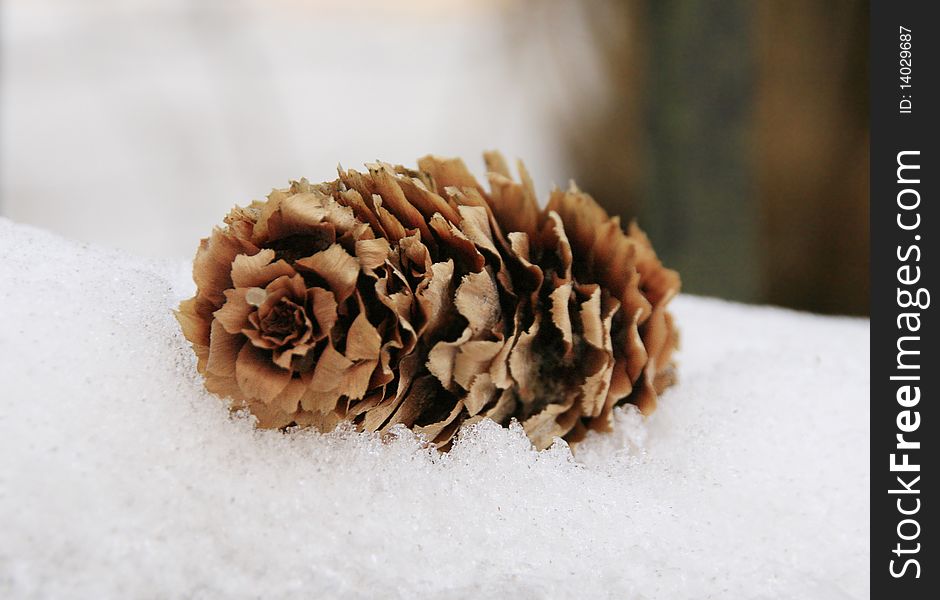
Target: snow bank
120,477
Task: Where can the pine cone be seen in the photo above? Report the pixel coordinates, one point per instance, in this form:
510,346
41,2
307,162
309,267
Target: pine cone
419,297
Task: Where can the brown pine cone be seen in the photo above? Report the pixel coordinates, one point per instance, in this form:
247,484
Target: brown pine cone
419,297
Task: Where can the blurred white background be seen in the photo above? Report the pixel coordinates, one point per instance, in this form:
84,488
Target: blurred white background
138,124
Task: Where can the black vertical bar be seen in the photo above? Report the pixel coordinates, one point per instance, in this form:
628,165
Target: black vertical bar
905,63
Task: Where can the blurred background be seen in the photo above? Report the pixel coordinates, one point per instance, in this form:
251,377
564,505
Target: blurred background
735,131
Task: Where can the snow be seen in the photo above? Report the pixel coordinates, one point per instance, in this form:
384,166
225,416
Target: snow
120,477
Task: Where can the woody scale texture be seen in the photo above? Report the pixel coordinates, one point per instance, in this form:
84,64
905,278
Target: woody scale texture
419,297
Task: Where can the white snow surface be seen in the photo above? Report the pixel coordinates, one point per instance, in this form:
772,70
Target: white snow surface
120,477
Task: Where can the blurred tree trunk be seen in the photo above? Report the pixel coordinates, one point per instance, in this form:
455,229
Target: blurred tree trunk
738,133
606,143
812,128
700,207
669,144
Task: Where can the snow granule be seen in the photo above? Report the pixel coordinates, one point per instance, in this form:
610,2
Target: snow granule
120,477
